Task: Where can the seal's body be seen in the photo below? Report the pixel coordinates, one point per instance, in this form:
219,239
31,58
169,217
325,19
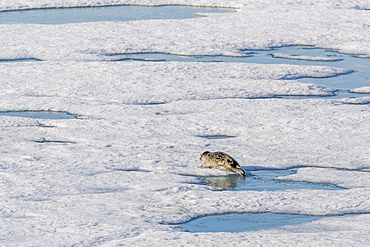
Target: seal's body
221,161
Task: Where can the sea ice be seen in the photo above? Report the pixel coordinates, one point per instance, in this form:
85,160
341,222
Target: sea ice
343,178
126,171
361,90
358,101
307,58
217,34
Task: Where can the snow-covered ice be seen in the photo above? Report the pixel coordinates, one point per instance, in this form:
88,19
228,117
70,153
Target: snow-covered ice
361,90
146,82
343,178
125,171
360,101
307,58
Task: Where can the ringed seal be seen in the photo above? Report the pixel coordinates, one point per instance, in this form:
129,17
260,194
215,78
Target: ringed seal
221,161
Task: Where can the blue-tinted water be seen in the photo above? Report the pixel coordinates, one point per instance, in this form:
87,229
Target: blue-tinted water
263,180
39,114
107,13
361,66
245,222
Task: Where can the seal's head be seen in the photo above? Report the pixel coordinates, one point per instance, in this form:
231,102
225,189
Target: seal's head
204,155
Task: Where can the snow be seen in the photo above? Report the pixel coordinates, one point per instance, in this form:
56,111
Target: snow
361,100
361,90
343,178
146,82
125,172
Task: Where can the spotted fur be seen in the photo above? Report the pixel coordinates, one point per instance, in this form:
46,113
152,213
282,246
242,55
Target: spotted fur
221,161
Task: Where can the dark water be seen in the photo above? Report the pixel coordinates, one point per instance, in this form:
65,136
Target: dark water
39,114
108,13
245,222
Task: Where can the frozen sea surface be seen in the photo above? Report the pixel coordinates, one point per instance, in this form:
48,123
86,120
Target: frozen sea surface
117,175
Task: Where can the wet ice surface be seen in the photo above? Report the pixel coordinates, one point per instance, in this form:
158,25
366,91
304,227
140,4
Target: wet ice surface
97,14
245,222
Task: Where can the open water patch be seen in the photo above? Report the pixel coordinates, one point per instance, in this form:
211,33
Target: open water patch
39,114
245,222
118,13
261,180
358,67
